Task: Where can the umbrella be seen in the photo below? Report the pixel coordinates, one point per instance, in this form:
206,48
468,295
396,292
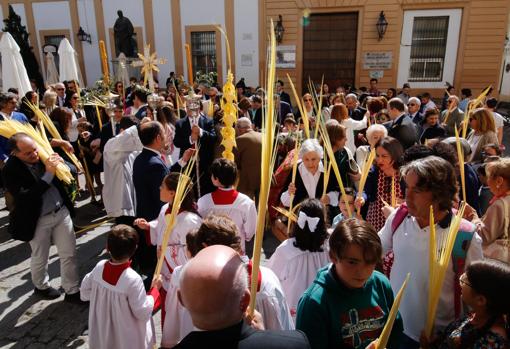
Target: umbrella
121,73
68,64
14,73
51,70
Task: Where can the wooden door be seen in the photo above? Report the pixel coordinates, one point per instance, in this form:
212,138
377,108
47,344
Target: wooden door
329,48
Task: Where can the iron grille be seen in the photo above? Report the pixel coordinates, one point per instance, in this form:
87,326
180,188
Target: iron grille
203,52
428,48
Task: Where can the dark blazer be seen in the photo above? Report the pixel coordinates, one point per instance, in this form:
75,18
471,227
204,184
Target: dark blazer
141,113
206,143
256,118
435,131
107,133
244,337
358,113
148,173
27,190
282,112
284,97
417,118
404,130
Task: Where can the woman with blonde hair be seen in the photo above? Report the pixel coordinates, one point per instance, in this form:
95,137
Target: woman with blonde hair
483,132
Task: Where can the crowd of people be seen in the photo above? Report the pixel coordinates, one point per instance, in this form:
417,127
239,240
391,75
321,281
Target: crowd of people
342,258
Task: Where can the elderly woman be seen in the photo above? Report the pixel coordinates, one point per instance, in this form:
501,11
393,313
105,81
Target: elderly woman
375,133
378,188
430,127
483,132
309,181
495,222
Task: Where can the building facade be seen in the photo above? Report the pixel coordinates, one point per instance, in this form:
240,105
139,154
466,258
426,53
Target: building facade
426,43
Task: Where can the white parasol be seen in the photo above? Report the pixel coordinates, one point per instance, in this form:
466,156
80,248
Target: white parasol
51,69
14,73
68,63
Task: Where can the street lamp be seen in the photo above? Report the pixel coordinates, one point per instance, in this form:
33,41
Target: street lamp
84,37
382,25
279,29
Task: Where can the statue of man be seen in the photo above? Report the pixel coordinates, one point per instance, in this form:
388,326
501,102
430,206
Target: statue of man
123,34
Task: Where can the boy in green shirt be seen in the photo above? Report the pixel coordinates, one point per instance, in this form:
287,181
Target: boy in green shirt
348,303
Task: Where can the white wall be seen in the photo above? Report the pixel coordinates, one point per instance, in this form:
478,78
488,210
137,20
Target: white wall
44,21
90,51
246,23
164,37
132,9
199,12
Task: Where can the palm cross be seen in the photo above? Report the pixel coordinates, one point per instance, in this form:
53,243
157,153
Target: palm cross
149,62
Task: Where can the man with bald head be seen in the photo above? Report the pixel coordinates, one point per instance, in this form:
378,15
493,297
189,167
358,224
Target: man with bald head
248,155
214,288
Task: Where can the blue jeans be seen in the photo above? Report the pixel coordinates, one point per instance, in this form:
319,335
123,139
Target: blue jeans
408,343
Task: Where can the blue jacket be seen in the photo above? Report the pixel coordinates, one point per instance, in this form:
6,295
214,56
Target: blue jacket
5,151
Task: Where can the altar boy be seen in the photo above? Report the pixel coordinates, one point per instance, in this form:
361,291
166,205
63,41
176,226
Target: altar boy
120,314
227,201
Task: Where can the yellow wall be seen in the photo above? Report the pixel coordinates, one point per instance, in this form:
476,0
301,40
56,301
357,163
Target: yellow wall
480,49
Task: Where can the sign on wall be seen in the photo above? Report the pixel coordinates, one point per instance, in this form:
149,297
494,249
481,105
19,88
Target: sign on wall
377,60
285,56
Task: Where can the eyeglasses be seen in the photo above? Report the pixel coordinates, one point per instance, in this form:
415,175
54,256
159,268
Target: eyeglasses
463,281
307,100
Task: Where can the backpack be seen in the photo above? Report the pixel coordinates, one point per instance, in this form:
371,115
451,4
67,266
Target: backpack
459,253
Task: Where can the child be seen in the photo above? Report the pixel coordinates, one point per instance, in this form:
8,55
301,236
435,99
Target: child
271,303
297,260
485,287
344,214
348,303
186,221
228,201
120,314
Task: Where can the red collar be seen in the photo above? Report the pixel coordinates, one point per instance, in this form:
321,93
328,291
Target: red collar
259,281
224,197
112,272
494,198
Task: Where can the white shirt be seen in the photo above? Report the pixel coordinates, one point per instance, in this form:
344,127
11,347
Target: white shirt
120,316
310,181
430,105
352,125
6,116
296,269
119,154
242,211
410,245
499,121
473,141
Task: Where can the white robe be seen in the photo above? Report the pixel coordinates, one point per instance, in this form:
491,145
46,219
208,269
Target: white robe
175,253
270,303
296,269
118,157
242,211
120,316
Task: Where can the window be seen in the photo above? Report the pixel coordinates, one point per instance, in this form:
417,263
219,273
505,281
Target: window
428,49
203,51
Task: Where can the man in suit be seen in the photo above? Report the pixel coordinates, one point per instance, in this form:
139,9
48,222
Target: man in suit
282,109
284,96
352,104
197,131
256,111
401,126
452,116
60,89
413,110
41,214
214,289
139,103
248,154
149,170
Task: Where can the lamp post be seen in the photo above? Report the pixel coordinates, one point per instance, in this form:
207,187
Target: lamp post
382,25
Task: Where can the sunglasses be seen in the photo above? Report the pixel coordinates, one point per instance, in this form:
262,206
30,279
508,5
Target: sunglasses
307,100
74,97
60,89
